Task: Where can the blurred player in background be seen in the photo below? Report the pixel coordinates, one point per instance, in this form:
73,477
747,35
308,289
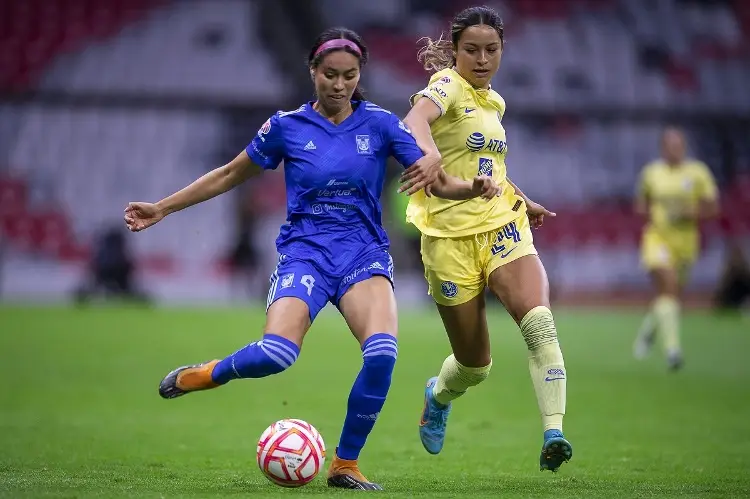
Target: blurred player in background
675,193
469,245
333,247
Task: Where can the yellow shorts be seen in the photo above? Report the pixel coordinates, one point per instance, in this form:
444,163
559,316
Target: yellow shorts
457,269
663,250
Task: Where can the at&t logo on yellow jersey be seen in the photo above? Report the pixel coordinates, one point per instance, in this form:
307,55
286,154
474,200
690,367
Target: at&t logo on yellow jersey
476,142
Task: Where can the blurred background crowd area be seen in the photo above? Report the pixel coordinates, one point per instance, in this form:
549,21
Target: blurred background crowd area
108,101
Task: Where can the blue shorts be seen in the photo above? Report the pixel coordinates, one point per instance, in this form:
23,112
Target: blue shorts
305,280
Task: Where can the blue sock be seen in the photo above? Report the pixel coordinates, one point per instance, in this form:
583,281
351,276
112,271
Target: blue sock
271,355
368,394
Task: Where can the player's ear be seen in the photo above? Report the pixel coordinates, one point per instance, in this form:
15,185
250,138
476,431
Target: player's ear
312,74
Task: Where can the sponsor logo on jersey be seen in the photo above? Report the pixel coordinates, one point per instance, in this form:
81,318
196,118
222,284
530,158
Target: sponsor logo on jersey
477,142
265,127
442,93
485,166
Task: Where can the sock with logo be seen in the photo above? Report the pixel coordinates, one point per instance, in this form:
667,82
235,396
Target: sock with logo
368,394
667,314
271,355
546,365
454,379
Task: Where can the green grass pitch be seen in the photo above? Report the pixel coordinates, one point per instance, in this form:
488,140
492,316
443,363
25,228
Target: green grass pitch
80,414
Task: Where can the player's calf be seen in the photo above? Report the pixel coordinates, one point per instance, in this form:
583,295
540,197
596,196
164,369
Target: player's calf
366,399
548,374
271,355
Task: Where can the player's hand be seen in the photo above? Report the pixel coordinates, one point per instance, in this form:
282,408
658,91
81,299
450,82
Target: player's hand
485,188
536,213
139,216
421,175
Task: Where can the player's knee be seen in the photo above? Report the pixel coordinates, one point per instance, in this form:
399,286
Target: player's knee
379,354
279,354
471,376
538,328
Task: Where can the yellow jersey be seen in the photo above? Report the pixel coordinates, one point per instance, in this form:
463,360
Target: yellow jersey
471,139
673,191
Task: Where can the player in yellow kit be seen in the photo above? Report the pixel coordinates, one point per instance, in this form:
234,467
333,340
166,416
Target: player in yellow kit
468,246
675,193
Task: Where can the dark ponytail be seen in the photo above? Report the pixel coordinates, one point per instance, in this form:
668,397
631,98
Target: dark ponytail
314,58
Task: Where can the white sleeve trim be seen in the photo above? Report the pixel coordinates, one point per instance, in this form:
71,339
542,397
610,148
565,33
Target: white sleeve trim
426,93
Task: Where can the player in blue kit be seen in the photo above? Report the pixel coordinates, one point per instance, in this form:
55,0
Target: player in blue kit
333,247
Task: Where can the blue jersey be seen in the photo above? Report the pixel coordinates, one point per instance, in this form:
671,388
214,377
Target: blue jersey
334,178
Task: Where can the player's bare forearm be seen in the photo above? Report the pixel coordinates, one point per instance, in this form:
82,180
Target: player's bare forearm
210,185
450,187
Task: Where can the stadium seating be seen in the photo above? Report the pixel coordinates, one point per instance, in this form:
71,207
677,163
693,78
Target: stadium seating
68,170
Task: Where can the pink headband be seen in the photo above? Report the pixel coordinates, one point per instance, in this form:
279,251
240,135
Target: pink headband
338,43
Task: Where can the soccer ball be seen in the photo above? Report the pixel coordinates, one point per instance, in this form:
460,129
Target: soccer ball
291,452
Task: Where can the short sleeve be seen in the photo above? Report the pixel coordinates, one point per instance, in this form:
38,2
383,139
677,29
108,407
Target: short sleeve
267,147
707,189
445,91
403,145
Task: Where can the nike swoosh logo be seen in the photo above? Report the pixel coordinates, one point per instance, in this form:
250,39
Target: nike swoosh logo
552,379
469,110
503,255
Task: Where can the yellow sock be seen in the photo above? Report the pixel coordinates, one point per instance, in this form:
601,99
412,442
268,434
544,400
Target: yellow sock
454,379
546,366
667,314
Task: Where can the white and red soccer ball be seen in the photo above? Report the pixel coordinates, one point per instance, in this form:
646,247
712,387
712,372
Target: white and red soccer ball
291,453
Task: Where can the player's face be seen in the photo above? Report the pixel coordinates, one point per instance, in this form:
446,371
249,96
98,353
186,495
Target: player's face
478,55
335,78
673,146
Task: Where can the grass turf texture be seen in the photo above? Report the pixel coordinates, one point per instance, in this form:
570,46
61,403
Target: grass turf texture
81,416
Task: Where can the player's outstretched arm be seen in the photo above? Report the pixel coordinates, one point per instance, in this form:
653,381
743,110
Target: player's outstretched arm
535,211
450,187
139,215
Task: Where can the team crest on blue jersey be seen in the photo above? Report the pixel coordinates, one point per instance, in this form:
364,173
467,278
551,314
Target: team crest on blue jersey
449,289
475,142
485,166
363,144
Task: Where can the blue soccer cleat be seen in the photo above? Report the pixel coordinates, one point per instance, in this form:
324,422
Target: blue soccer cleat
434,419
555,451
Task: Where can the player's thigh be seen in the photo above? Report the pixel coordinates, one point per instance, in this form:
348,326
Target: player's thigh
662,261
665,280
515,274
297,293
466,325
521,285
452,268
369,307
